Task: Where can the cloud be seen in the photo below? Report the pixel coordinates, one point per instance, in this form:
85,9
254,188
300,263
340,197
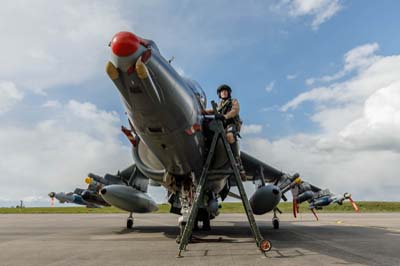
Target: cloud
67,46
310,81
365,107
291,76
356,59
51,104
357,147
56,154
320,10
378,128
372,72
270,86
368,176
9,96
251,129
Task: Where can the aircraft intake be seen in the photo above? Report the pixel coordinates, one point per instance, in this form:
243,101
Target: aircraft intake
265,199
128,198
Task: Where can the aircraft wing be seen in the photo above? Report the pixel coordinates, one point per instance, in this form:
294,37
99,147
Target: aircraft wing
301,190
131,176
255,168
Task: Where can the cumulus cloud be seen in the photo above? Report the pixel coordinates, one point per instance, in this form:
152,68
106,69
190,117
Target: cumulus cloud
51,104
356,59
291,76
372,72
9,95
320,10
357,148
368,176
69,42
379,125
251,129
67,46
56,154
270,86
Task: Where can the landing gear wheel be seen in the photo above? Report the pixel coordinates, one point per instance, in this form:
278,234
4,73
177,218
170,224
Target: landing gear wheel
129,223
275,223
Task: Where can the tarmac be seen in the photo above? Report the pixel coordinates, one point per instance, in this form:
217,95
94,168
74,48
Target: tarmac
102,239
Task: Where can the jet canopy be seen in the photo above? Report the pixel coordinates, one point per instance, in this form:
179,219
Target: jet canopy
198,91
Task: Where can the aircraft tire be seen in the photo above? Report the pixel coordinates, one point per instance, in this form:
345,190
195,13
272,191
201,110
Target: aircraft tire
129,223
275,223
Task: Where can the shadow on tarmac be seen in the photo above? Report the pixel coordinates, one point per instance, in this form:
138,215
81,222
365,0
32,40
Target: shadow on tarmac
353,244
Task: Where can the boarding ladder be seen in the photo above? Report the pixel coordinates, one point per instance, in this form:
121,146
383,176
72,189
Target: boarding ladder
216,126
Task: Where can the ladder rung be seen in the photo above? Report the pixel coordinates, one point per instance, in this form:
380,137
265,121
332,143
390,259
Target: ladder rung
220,172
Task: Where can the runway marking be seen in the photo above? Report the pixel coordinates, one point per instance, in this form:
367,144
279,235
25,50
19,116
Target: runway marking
396,230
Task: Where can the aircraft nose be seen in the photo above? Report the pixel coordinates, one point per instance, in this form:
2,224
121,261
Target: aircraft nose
124,43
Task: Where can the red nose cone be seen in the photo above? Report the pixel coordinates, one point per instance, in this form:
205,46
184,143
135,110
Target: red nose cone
124,43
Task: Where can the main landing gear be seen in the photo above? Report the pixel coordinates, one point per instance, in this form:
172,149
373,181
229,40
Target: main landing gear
275,219
129,222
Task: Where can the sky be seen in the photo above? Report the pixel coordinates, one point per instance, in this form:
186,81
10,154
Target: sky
318,82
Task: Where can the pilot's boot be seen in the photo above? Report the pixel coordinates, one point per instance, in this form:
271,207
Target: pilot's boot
196,226
206,222
235,151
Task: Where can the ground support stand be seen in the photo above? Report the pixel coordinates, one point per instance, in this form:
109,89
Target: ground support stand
219,133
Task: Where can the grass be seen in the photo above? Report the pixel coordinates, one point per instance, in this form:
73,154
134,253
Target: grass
364,206
229,207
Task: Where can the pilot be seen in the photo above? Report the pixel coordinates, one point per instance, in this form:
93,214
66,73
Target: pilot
228,111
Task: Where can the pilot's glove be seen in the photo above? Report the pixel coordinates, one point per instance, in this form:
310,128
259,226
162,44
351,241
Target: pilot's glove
219,117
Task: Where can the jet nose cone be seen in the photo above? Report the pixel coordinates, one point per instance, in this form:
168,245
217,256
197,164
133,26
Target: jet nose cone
124,43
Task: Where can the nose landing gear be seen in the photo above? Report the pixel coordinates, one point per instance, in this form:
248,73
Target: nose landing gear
275,219
129,222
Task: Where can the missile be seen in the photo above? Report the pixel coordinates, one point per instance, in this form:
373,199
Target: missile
323,201
106,180
265,199
128,198
307,195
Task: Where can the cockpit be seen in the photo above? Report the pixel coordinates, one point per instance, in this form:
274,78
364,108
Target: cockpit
198,91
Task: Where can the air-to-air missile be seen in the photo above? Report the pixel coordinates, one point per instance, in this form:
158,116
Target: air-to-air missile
71,197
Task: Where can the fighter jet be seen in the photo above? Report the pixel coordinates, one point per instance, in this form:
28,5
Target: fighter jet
170,137
72,197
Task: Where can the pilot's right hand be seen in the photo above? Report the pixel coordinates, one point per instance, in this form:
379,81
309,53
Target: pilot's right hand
219,117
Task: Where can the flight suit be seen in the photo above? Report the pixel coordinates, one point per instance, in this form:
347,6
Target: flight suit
230,108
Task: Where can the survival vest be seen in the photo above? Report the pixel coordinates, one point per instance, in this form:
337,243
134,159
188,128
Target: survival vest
223,108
